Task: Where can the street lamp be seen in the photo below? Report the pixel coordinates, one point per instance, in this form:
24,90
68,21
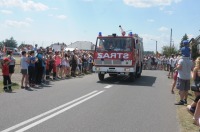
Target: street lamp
156,45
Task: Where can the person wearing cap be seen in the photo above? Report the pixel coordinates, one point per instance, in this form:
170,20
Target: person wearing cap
6,78
184,67
185,51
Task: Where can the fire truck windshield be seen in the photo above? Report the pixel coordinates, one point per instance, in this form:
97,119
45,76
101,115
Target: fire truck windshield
114,44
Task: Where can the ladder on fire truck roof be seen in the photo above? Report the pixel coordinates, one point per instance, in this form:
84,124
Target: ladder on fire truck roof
122,31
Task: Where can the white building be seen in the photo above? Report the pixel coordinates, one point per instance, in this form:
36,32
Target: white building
58,46
82,45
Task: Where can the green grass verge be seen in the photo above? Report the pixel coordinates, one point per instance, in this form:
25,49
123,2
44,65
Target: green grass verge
14,86
185,118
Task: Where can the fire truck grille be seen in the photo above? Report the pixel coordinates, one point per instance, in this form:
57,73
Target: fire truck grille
107,62
112,62
98,62
117,62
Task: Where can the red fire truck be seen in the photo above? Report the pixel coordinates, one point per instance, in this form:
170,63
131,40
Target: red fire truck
118,55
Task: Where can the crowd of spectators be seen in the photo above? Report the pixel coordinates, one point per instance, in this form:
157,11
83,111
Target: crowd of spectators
39,65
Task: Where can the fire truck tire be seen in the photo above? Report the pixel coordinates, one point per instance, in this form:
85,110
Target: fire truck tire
132,77
139,72
101,76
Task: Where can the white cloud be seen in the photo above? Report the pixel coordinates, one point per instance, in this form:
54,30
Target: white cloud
6,12
25,5
150,20
61,16
18,24
150,3
163,29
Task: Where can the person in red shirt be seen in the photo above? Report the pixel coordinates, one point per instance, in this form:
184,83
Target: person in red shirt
54,70
6,78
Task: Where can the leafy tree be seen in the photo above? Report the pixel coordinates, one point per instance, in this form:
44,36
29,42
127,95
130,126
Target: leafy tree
185,37
9,43
22,45
1,45
167,51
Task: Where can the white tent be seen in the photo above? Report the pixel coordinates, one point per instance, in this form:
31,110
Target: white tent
69,49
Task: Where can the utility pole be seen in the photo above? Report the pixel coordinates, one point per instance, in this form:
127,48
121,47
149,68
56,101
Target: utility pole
156,45
171,41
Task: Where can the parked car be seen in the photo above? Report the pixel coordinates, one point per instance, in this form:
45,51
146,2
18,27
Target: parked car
15,51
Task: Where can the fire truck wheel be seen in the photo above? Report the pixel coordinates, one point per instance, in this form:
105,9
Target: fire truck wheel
101,76
139,74
132,76
140,71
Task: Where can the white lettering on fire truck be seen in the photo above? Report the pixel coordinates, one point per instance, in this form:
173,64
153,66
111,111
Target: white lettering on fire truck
113,55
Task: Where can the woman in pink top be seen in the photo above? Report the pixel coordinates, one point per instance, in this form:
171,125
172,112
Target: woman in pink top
57,59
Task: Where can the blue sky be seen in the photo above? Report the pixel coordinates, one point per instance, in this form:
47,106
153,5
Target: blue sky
49,21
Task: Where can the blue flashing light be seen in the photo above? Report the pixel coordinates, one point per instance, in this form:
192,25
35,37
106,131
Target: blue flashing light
130,34
100,34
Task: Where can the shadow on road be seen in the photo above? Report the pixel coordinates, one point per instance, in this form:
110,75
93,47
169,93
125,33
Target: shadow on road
125,80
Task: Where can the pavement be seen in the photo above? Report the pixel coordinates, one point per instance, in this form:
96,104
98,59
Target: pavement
85,104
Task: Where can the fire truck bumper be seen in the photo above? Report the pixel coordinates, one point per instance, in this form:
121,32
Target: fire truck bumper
113,70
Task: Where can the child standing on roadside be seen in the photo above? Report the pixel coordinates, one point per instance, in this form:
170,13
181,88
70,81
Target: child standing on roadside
175,75
24,70
6,78
31,69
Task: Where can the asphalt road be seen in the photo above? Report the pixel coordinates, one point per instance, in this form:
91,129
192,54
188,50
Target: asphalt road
87,105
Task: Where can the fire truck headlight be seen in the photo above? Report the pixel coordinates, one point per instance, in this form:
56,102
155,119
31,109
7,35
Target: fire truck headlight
97,69
127,69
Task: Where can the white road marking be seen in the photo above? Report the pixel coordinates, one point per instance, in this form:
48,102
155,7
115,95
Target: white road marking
109,86
46,113
57,113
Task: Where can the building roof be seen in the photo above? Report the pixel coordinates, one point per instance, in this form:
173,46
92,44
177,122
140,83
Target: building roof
64,45
82,45
197,39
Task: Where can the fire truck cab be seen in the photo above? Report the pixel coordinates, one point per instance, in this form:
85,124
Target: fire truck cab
118,55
